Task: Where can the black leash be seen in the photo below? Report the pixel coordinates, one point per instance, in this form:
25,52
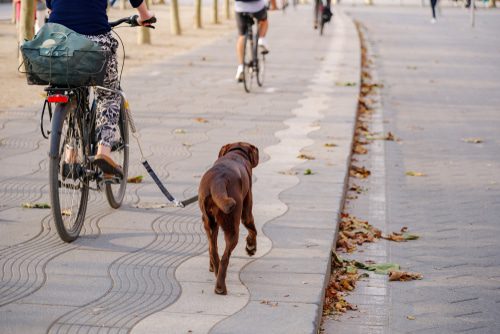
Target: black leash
168,195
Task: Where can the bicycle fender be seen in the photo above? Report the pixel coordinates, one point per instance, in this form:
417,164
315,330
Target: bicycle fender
56,126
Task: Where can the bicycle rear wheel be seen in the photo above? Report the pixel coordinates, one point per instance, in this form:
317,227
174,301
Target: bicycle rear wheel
115,191
248,71
68,181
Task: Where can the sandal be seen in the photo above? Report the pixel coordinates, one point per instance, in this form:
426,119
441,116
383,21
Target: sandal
107,165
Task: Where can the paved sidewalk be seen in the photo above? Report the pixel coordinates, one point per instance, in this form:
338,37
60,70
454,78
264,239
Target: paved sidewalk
146,270
441,86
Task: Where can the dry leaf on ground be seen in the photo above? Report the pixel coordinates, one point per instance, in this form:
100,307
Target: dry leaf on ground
201,120
473,140
353,231
179,131
305,156
345,84
135,179
359,172
413,173
270,303
330,145
35,205
404,276
359,149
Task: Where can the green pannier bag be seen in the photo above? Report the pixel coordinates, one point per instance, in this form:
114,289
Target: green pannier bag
60,57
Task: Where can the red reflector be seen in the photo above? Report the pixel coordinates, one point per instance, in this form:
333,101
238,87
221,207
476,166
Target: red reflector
58,98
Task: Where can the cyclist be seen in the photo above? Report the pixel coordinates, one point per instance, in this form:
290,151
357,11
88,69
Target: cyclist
89,18
258,9
325,16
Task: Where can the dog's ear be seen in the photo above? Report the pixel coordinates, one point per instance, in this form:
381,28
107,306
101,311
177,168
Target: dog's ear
224,149
254,155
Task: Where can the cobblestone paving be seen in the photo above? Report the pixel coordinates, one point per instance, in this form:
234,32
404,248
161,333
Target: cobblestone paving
441,86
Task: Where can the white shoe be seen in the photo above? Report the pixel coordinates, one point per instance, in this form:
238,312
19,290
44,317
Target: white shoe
433,20
239,74
263,44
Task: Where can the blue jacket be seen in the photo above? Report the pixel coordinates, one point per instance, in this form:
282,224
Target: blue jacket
87,17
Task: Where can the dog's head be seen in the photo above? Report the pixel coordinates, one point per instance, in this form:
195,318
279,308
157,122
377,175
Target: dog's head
251,151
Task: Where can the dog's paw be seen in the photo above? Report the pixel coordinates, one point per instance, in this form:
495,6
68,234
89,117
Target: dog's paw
220,291
251,250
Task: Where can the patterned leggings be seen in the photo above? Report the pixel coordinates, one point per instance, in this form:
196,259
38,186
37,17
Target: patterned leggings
108,104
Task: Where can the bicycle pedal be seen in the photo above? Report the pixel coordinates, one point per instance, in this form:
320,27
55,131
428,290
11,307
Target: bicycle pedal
112,179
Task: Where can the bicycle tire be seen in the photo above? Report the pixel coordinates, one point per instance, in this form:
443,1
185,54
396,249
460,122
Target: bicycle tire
120,154
260,66
248,62
68,183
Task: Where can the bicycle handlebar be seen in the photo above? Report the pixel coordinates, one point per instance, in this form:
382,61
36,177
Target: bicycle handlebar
133,22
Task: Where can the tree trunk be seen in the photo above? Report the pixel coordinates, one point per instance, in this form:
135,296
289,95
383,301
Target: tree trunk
227,8
197,14
26,23
215,12
492,4
175,24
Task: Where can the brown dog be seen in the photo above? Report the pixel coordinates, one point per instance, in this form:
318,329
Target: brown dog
225,198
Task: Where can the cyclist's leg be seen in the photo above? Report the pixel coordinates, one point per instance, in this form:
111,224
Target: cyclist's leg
316,8
108,104
261,16
242,29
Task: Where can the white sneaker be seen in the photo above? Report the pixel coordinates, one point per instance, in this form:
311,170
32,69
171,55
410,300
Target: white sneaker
263,44
433,20
239,74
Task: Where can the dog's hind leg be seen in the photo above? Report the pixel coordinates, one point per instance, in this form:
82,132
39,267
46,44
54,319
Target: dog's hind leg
231,236
212,230
248,222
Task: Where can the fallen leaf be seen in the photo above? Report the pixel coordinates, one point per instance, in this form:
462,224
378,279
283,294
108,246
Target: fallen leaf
187,144
330,145
359,172
308,172
267,302
179,131
410,317
66,212
378,268
345,84
35,205
473,140
359,149
404,276
305,157
201,120
135,179
413,173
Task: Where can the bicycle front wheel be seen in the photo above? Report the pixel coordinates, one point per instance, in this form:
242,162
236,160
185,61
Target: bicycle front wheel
248,70
68,181
115,191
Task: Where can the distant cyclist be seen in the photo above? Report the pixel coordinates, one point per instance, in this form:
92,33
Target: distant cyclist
326,15
89,18
258,9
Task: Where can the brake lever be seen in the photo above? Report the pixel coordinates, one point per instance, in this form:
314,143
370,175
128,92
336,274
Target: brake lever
135,23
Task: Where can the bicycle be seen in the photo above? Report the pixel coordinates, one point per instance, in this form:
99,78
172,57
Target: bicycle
322,14
253,60
73,145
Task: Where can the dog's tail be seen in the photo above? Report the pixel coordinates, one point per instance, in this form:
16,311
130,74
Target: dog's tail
219,196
